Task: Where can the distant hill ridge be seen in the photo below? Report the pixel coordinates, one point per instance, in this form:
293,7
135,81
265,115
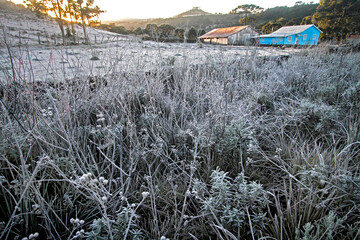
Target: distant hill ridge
199,19
195,11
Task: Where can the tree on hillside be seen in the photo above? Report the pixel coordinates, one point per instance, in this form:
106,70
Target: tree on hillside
191,34
201,32
247,20
338,18
166,30
272,26
294,21
82,11
37,6
246,9
293,15
139,31
85,11
120,30
57,7
306,20
152,30
179,32
73,15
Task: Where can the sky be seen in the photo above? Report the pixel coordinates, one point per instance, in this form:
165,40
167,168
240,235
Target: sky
119,9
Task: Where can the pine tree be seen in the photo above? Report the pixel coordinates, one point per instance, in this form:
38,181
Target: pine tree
246,9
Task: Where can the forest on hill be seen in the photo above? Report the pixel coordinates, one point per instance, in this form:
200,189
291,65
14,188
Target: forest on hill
274,18
336,19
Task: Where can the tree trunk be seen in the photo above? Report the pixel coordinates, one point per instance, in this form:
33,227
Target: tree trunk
60,21
73,32
61,25
85,33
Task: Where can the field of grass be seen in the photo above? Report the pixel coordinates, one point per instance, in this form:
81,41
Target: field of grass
219,145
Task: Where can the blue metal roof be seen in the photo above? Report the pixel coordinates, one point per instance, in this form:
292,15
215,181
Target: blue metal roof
289,30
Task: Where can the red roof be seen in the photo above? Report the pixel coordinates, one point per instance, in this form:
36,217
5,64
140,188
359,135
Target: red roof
354,36
223,32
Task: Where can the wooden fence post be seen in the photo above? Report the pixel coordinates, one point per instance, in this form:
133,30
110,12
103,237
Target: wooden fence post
39,41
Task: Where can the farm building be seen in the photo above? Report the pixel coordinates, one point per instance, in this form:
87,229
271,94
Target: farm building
230,35
292,35
354,39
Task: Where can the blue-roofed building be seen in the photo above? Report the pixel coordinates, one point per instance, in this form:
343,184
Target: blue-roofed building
292,35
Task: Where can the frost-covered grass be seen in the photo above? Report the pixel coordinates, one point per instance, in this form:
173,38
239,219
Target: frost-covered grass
225,147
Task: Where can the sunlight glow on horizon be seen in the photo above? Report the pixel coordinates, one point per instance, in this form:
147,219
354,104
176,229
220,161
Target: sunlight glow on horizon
142,9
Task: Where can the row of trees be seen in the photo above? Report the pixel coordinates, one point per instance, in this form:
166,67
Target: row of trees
164,32
75,11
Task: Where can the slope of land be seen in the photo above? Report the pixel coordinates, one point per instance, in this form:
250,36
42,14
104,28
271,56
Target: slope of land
285,16
21,26
195,11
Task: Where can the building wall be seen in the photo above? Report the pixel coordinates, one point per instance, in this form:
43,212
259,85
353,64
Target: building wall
288,40
291,40
272,40
220,41
242,37
309,37
354,39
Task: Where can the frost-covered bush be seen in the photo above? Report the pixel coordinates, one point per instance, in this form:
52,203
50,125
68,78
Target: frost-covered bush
237,205
231,142
326,228
122,227
317,119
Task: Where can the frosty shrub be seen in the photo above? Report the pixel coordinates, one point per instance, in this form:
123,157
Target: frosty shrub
317,119
325,228
237,205
231,142
123,227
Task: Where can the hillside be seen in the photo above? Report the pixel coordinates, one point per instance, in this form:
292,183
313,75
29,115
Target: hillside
23,26
283,15
206,22
195,11
292,15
